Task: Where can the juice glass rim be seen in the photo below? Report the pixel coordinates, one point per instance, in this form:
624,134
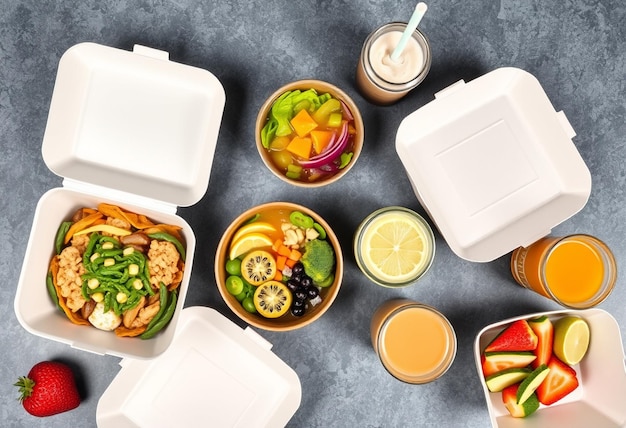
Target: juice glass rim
609,262
446,362
358,236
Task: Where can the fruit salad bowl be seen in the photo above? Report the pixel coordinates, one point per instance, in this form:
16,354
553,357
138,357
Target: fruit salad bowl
575,376
309,133
279,266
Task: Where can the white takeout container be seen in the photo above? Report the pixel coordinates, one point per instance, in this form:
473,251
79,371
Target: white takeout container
214,374
599,399
493,163
126,128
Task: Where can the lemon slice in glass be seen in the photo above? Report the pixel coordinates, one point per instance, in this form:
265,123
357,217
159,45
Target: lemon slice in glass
571,339
395,247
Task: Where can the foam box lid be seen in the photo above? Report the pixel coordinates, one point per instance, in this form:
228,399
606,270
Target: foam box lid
493,163
213,374
134,122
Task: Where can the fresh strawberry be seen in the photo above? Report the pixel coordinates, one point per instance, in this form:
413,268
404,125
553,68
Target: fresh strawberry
561,380
517,337
48,389
544,330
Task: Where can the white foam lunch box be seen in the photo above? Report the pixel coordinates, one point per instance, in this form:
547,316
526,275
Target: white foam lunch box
137,130
214,375
598,401
493,163
132,129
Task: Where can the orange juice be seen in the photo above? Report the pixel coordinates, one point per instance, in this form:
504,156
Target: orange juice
577,271
415,343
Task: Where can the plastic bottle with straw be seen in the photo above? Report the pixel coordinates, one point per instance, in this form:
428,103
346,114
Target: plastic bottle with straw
416,17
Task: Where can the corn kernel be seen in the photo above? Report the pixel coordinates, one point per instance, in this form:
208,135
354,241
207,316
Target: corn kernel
121,297
94,256
97,297
107,245
109,262
128,251
93,283
133,269
137,284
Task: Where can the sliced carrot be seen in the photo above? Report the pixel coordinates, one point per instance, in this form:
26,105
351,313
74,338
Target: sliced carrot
303,123
81,224
280,262
301,147
295,255
284,250
291,263
276,245
278,276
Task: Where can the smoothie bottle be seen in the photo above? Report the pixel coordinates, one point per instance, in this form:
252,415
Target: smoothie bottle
383,80
415,342
576,271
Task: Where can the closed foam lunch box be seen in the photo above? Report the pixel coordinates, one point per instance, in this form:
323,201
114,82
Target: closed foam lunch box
493,163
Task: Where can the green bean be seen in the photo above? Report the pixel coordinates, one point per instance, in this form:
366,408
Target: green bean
60,238
162,236
163,298
52,290
164,320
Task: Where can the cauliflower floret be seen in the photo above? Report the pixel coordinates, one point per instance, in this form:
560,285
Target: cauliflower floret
107,321
69,277
162,262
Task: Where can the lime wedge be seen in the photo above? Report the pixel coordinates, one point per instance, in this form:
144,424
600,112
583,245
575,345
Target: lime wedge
571,339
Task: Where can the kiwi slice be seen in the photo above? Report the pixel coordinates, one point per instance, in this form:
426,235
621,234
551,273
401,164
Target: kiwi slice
258,266
272,299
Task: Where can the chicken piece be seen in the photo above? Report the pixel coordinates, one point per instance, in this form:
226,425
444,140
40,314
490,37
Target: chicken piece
145,315
80,242
162,262
118,222
69,277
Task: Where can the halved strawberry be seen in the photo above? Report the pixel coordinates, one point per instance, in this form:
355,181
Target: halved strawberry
544,330
509,398
561,380
518,336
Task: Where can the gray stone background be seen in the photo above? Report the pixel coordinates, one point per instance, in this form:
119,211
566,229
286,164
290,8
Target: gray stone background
575,48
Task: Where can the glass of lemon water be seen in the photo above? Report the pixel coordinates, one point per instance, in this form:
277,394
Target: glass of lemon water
394,246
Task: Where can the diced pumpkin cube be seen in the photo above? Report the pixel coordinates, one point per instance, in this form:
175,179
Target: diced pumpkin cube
321,140
300,147
303,123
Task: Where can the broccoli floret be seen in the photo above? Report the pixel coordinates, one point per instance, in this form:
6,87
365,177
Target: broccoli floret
318,260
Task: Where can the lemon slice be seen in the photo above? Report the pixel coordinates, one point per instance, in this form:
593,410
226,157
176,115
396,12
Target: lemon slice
571,339
257,226
394,247
249,242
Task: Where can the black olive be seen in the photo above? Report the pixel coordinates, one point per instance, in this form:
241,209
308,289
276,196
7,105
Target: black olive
292,284
297,311
297,303
312,292
306,281
300,293
298,268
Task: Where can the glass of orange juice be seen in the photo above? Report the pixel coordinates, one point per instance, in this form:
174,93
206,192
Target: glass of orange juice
394,246
415,342
576,271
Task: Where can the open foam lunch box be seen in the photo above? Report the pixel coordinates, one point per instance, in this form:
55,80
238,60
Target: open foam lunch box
137,130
